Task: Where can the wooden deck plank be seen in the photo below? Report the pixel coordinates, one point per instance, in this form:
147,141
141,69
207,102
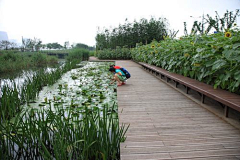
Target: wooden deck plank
165,124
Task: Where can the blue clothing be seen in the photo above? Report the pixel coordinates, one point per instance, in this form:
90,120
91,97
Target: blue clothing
119,70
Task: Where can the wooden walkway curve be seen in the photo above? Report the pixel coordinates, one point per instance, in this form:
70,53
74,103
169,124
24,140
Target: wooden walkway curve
165,124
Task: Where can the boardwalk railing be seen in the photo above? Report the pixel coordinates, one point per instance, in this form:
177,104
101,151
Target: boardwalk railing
227,99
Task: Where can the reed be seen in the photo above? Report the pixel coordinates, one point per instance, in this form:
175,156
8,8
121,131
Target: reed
48,135
11,61
13,96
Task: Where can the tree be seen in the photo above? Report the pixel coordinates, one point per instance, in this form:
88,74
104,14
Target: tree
37,44
5,44
13,45
54,46
81,45
66,44
31,44
25,44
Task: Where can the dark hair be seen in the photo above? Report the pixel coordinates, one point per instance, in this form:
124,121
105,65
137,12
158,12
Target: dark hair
111,69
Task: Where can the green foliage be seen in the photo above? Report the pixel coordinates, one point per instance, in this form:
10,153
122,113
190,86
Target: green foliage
92,53
54,45
213,59
6,45
78,55
45,134
118,53
83,46
12,61
31,44
39,59
129,34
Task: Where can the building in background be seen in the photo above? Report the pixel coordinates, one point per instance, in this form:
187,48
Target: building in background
3,36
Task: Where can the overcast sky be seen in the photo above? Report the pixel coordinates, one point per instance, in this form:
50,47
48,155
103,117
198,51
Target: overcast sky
77,21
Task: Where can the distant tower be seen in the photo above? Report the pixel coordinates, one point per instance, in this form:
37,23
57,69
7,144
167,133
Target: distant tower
3,36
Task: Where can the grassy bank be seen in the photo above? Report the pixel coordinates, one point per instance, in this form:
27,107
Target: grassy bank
11,61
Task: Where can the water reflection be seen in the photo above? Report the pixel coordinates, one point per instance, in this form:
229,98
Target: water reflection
19,77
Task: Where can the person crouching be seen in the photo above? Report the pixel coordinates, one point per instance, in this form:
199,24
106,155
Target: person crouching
119,76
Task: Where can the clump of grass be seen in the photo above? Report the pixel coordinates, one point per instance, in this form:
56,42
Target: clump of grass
48,135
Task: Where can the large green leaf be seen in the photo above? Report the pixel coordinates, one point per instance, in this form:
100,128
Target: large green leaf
200,50
237,76
232,55
191,73
236,45
219,64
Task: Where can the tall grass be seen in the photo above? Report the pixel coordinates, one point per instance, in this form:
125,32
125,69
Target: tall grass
13,96
118,53
48,135
76,55
13,61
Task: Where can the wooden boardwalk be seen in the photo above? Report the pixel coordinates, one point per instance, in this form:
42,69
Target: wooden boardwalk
165,124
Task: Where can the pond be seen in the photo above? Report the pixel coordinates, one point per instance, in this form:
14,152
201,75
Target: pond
86,86
75,118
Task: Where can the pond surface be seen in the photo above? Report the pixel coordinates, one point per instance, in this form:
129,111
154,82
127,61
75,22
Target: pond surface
87,86
19,77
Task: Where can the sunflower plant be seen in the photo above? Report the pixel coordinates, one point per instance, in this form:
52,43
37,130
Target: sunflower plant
213,59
